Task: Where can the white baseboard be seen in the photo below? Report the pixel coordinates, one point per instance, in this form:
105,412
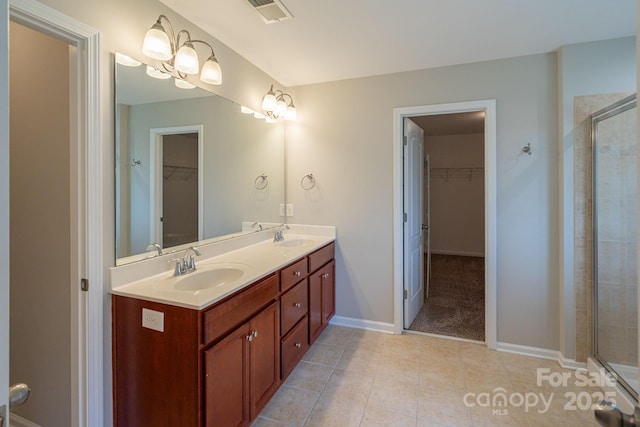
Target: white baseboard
18,421
458,253
369,325
541,353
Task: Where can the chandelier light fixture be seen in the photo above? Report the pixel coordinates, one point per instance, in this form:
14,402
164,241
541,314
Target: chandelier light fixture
275,105
178,54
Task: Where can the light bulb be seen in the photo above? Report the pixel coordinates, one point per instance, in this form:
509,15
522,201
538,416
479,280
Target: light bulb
183,84
270,120
258,115
281,108
246,110
187,59
156,43
211,72
269,102
157,74
291,113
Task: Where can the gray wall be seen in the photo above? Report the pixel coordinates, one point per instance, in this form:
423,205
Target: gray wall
344,137
607,66
40,211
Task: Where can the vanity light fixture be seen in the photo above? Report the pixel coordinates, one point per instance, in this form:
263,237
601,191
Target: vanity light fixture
178,54
157,74
127,61
275,105
183,84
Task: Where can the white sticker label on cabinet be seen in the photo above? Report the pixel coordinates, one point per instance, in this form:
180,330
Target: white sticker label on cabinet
153,319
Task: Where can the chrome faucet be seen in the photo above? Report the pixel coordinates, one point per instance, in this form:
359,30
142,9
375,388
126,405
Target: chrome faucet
187,263
256,224
279,235
156,247
608,415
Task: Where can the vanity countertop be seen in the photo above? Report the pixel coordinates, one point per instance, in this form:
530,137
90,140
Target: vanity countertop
232,271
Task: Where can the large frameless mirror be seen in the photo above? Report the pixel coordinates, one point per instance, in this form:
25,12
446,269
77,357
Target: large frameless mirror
189,165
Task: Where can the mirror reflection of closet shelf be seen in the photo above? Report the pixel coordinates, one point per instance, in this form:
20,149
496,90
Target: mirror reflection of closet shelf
457,173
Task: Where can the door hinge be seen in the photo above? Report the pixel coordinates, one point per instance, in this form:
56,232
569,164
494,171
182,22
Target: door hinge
406,294
404,140
404,217
84,285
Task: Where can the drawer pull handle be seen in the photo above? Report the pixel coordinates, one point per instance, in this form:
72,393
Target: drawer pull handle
249,337
325,275
297,273
298,345
297,305
255,334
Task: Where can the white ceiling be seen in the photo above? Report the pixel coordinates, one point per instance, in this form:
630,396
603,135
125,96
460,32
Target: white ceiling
338,39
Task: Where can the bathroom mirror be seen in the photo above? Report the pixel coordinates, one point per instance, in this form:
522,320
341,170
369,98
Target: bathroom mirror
189,166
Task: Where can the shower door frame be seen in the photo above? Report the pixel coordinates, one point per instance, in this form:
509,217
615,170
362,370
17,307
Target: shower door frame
608,112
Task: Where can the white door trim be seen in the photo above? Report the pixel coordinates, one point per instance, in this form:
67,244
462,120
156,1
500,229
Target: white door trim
87,314
491,294
155,154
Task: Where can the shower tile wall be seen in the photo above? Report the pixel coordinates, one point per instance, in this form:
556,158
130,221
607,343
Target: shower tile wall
617,246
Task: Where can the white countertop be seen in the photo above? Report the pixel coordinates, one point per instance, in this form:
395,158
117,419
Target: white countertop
252,262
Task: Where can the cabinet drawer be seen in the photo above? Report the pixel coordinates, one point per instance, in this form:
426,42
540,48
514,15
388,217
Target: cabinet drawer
293,274
321,257
293,306
294,346
235,310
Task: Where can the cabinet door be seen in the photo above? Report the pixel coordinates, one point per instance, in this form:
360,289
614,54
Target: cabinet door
264,357
227,380
328,292
315,305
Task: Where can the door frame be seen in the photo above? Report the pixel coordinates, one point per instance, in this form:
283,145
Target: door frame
156,180
487,106
87,324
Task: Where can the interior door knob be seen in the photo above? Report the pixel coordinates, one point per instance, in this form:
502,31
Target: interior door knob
18,394
425,227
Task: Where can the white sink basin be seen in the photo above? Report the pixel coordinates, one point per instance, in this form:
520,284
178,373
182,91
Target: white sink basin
294,242
208,278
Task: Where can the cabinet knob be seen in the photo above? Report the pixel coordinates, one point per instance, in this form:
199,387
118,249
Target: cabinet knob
297,273
249,337
297,305
325,275
298,345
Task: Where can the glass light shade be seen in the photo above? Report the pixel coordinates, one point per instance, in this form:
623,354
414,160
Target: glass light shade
127,61
291,113
156,44
281,108
269,102
187,59
211,72
157,74
270,120
183,84
246,110
258,115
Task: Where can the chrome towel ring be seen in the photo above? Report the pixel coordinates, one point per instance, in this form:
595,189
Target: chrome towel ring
261,182
308,182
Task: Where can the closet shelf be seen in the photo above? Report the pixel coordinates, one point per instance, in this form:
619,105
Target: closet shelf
456,173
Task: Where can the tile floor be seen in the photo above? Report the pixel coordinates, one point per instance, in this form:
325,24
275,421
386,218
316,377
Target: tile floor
352,377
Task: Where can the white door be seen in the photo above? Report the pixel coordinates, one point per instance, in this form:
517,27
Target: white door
426,226
413,208
4,208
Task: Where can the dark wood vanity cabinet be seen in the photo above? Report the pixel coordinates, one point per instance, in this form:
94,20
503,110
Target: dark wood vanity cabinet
219,366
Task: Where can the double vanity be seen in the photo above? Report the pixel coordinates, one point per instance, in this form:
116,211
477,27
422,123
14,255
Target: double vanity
212,346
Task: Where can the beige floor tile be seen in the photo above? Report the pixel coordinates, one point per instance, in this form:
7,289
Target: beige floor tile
309,376
290,406
379,417
359,360
553,419
324,354
403,347
443,379
349,385
407,370
368,340
479,380
442,407
395,396
333,411
335,335
264,422
488,417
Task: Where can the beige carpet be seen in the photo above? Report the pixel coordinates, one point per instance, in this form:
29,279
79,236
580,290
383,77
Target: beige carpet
455,306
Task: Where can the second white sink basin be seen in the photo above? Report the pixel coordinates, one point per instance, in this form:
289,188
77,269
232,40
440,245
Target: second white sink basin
208,278
294,242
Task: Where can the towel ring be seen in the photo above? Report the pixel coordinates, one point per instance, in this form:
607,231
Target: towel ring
312,182
261,182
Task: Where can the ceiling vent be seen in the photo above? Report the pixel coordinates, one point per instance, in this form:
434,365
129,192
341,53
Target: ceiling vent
270,10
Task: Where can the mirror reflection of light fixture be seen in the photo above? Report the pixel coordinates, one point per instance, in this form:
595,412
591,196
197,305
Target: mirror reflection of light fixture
178,54
275,105
127,61
157,74
183,84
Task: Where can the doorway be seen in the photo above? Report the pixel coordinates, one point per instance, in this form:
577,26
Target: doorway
488,108
453,218
83,174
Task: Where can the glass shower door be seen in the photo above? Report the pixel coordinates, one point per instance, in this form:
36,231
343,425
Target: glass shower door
614,202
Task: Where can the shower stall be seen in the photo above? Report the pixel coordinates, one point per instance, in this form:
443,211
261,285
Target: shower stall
615,216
